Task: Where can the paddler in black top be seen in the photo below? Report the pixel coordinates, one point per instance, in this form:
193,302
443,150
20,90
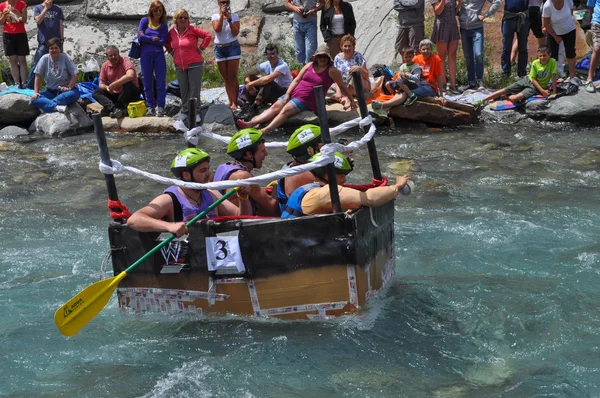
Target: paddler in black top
170,210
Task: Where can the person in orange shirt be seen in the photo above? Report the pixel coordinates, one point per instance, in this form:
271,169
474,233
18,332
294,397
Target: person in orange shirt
432,80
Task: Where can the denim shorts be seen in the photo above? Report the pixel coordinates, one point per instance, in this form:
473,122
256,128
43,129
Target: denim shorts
226,53
424,90
298,105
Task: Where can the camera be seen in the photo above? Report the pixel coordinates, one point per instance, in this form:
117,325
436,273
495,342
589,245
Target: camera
227,9
305,13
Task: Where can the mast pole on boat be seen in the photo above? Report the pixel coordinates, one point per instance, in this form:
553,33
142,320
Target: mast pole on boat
322,113
111,186
364,112
192,116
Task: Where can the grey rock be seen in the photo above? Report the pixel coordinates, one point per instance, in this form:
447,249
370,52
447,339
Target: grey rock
16,108
172,105
218,114
273,7
581,108
505,117
13,133
73,122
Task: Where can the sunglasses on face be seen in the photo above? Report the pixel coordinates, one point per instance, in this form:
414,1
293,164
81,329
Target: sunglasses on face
271,54
223,2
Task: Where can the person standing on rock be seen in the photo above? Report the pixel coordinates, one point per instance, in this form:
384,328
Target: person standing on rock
305,26
337,20
152,35
49,19
118,84
13,15
411,18
471,18
60,75
227,49
182,44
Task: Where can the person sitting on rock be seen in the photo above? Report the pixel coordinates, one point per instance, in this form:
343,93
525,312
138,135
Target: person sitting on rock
247,148
300,96
176,205
542,71
60,75
118,84
266,89
409,77
302,145
314,198
349,61
431,84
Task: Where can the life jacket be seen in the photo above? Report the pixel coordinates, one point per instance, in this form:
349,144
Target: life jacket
223,172
183,210
293,207
282,198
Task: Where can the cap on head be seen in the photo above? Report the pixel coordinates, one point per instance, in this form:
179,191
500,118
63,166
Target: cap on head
243,141
187,159
342,164
305,141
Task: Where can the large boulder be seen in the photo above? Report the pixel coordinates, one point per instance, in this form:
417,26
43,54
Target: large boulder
582,108
13,133
217,117
115,9
74,121
16,108
432,114
147,125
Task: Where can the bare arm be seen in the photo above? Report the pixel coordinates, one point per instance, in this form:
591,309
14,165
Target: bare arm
291,7
539,88
336,76
127,77
62,30
235,27
264,80
227,208
439,7
546,24
150,217
40,18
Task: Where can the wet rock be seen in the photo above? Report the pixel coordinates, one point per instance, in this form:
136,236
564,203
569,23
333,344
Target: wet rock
217,117
73,122
16,108
432,113
115,9
148,125
582,108
505,117
12,133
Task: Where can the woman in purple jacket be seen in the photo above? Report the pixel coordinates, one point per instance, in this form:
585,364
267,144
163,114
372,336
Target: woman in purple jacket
152,35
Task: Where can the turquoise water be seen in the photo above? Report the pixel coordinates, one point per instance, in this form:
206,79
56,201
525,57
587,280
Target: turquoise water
495,295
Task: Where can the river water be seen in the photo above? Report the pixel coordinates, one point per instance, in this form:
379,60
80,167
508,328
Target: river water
496,292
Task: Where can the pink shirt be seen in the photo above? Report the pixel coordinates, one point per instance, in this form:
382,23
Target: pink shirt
184,47
304,90
109,73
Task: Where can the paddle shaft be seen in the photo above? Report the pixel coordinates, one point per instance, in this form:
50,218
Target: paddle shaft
111,186
170,238
364,112
336,205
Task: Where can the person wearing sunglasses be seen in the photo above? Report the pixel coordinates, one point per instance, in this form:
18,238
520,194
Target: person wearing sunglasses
183,44
275,80
227,49
152,35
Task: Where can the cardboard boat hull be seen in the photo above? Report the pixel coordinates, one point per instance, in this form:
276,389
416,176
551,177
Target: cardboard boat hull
304,268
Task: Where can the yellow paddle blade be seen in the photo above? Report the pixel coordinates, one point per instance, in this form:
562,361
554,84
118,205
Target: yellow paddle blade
77,312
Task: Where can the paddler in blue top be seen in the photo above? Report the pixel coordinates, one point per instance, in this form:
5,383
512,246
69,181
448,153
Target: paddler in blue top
247,148
170,211
302,145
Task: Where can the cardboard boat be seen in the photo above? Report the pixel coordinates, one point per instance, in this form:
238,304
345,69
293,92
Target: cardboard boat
305,268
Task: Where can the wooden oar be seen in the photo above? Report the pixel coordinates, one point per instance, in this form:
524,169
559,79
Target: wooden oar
71,317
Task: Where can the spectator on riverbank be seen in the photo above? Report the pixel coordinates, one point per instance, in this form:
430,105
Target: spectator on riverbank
445,36
49,19
471,17
227,49
543,70
13,15
349,61
535,26
60,75
411,18
152,35
182,44
589,84
337,20
557,19
305,27
300,95
274,82
118,84
515,21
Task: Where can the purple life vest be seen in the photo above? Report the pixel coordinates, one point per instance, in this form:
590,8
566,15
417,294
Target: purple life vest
223,172
188,210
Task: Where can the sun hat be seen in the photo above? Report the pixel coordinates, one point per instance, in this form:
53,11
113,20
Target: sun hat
323,49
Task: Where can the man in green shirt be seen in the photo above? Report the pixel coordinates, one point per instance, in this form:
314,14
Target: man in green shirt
543,69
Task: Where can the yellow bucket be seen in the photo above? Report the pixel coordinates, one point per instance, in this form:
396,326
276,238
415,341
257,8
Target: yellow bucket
136,109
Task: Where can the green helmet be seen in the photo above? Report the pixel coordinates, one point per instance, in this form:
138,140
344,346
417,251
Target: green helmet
342,164
305,141
243,141
187,159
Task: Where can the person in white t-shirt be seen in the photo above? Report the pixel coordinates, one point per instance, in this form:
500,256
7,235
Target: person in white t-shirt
227,48
558,22
274,82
